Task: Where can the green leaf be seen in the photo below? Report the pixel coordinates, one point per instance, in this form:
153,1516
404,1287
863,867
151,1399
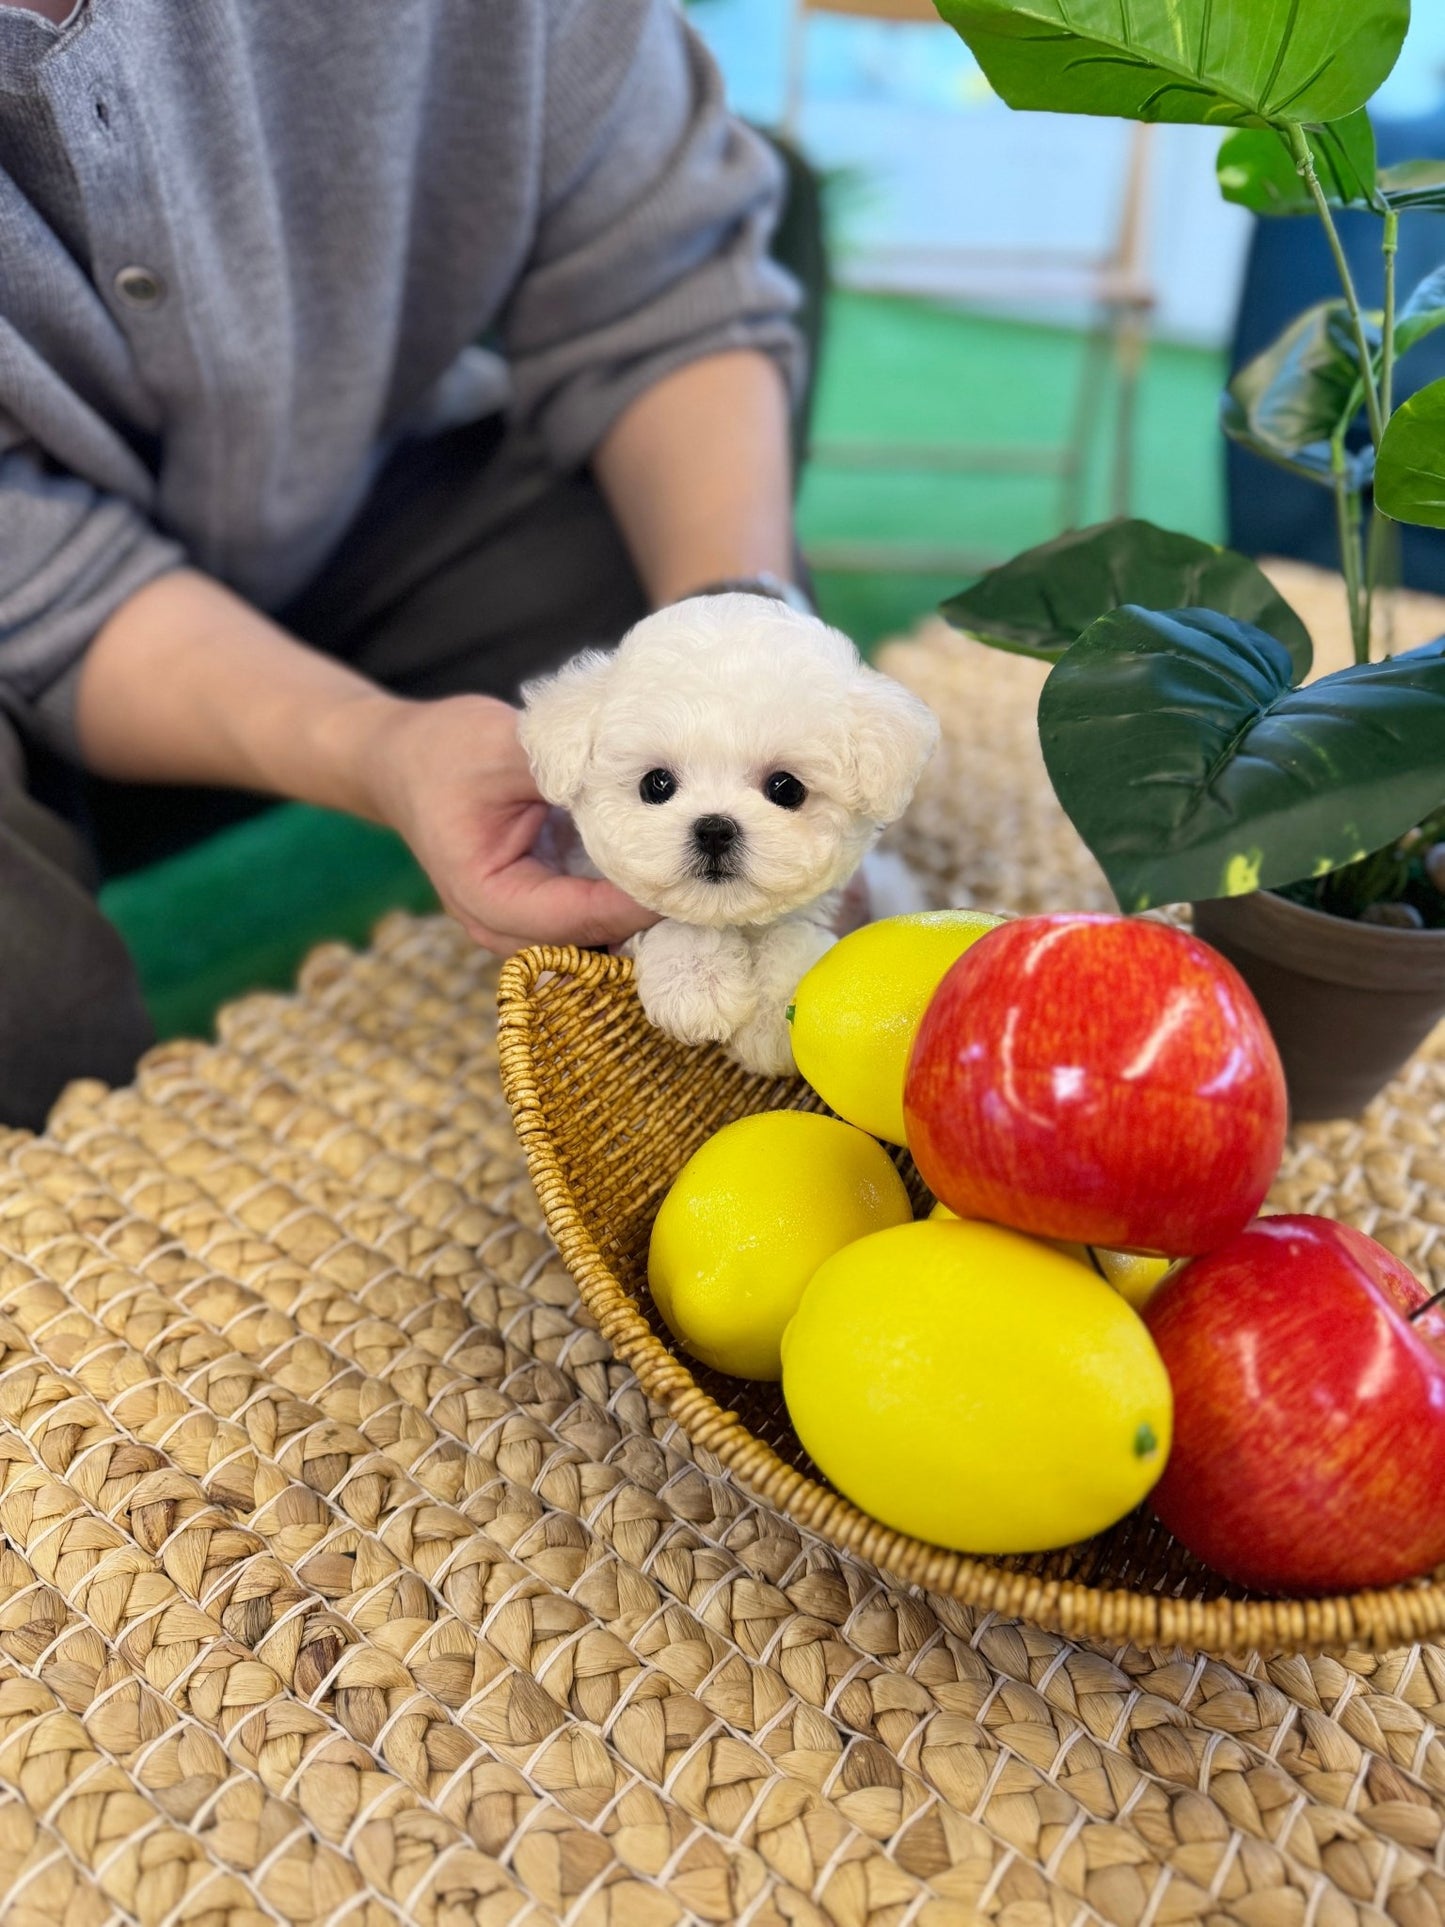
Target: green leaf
1287,403
1192,769
1041,602
1257,169
1414,184
1185,60
1345,161
1422,314
1410,476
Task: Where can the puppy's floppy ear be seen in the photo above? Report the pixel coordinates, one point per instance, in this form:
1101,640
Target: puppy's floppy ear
559,715
890,735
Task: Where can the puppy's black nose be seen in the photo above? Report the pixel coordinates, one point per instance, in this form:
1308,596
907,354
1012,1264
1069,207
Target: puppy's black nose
715,835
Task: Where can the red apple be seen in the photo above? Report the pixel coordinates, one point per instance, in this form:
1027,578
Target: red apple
1309,1411
1097,1079
1395,1278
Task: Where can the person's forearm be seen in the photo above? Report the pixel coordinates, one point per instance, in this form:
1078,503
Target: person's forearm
188,684
697,473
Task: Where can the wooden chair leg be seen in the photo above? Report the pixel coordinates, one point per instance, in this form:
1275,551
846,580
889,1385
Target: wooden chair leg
1092,373
1130,342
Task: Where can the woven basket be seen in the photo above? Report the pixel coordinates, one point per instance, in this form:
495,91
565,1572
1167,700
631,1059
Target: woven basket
608,1110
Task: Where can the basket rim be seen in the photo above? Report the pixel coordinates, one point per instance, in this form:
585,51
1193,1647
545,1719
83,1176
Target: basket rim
1228,1624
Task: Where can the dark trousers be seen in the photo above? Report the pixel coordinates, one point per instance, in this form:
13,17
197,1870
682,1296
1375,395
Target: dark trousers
469,568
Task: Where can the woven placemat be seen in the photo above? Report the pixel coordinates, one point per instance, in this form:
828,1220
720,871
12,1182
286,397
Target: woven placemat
346,1578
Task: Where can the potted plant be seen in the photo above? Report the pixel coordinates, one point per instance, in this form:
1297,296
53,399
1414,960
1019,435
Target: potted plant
1304,821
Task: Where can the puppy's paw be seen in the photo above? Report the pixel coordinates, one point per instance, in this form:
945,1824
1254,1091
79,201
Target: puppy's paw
694,984
764,1045
782,957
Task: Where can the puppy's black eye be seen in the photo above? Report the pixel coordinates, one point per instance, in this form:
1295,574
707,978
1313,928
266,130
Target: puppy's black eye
657,786
785,790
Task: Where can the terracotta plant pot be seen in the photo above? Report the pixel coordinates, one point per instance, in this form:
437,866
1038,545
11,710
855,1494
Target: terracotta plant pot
1348,1002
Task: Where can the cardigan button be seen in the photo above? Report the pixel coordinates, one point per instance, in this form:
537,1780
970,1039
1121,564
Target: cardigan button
140,287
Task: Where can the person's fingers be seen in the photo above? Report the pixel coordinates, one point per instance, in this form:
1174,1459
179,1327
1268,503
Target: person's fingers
541,907
493,940
500,942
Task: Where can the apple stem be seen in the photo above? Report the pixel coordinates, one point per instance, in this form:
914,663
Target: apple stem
1436,1298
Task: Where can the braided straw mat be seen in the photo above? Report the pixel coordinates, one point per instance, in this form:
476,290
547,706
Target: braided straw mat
346,1578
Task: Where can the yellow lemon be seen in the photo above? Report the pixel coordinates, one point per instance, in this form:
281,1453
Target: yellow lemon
749,1219
855,1014
1133,1275
976,1388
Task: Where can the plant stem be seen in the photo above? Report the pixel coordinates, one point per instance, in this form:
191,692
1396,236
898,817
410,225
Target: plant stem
1305,161
1391,246
1361,628
1347,521
1372,578
1384,566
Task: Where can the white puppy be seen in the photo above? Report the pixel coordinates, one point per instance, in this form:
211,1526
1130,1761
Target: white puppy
728,765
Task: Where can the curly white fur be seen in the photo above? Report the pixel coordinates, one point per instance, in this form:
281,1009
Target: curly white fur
721,694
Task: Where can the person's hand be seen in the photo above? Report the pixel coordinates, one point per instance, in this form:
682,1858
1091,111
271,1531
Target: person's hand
453,779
